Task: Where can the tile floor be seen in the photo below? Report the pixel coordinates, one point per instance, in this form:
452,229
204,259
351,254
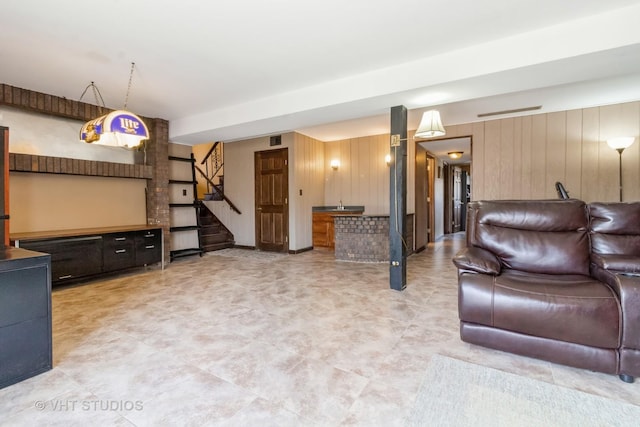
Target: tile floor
246,338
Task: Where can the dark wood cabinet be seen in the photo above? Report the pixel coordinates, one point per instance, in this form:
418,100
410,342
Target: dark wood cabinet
25,315
118,251
77,254
65,253
323,227
148,247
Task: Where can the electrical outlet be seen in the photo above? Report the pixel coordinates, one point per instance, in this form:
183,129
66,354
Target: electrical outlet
301,191
184,192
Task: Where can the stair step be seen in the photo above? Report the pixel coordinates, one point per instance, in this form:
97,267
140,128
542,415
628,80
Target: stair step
214,238
211,228
207,221
218,246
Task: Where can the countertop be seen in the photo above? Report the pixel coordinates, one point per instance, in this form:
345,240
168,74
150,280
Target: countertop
79,232
329,209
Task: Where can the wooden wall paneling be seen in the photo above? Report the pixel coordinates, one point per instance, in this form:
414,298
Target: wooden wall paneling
492,160
539,156
590,155
478,164
421,191
376,177
556,152
344,172
383,141
411,174
634,156
527,154
506,188
517,157
611,126
573,173
629,125
359,166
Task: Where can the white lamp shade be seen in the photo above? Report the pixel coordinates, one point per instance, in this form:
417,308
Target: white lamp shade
621,143
430,125
117,129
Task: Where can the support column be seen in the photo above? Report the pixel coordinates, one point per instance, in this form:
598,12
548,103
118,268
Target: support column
157,152
398,199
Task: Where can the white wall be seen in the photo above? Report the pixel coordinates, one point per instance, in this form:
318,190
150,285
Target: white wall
239,184
182,216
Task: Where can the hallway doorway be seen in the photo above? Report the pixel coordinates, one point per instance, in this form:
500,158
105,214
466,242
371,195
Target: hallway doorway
442,187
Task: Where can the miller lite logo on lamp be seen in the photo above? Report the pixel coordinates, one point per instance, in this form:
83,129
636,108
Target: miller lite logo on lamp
119,128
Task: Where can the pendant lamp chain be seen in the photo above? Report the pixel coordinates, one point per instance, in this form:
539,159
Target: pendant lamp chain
96,94
126,99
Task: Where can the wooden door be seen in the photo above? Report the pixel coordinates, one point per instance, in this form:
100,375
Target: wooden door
456,202
431,179
421,198
272,204
4,187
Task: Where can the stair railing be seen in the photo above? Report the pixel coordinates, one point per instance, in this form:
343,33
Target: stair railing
213,162
225,198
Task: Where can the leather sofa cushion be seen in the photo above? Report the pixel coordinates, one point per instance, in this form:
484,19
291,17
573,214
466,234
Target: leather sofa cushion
541,236
571,308
615,228
626,263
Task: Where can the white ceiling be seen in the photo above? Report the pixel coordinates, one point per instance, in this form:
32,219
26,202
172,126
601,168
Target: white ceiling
330,69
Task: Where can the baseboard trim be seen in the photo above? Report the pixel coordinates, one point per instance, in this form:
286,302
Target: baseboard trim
299,251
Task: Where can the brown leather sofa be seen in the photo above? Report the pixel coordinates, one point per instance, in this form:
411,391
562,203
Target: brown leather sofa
554,280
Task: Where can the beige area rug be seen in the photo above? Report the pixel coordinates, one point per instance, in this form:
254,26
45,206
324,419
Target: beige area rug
457,393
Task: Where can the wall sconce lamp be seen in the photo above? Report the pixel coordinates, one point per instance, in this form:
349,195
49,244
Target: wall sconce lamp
335,164
455,155
387,159
619,144
118,128
430,125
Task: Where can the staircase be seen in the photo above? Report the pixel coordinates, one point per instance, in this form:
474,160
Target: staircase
213,234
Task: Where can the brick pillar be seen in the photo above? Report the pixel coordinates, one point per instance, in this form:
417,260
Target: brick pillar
157,154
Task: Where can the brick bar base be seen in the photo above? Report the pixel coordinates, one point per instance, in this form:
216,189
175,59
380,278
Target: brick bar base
363,238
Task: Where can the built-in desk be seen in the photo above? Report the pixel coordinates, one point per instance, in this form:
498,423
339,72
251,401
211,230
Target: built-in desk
82,253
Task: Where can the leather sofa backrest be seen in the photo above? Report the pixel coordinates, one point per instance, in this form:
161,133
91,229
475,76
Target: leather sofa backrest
615,228
537,236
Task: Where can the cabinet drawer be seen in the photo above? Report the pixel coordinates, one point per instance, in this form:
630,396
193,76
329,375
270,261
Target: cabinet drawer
70,257
148,247
119,251
116,240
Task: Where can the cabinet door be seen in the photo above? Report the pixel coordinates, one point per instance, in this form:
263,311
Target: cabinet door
119,251
70,257
320,229
148,247
25,319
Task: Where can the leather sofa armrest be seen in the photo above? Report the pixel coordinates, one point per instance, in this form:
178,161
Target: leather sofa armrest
617,263
477,260
628,289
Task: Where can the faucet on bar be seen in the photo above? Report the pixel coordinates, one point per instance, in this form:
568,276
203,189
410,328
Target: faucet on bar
340,207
